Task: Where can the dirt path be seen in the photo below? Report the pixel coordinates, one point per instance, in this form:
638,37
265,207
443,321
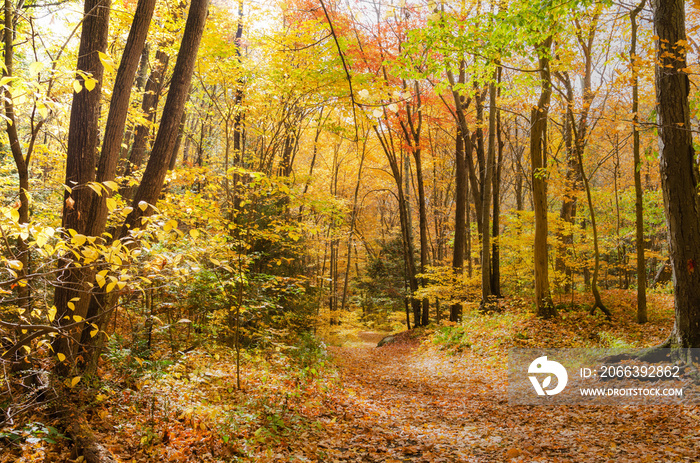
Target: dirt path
403,404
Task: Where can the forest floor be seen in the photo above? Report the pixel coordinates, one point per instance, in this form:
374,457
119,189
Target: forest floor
410,403
436,395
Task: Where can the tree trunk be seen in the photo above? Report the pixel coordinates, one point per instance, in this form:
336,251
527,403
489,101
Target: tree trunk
409,248
149,105
353,220
679,173
638,192
460,220
159,161
80,169
486,184
21,162
412,134
495,247
538,118
572,186
118,110
404,217
598,304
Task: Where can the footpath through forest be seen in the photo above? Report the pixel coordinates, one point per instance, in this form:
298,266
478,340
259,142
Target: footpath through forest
405,403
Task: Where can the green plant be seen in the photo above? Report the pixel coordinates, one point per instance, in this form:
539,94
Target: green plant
33,433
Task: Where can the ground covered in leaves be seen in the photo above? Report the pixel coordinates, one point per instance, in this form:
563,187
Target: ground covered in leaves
434,395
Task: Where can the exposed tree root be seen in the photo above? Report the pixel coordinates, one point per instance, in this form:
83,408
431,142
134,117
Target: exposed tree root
86,442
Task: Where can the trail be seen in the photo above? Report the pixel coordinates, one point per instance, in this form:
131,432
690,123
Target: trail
402,403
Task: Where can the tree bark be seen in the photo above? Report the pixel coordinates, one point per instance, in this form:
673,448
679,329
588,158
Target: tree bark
21,162
353,220
412,133
538,118
118,110
159,161
495,246
679,172
638,192
80,168
486,184
460,219
149,106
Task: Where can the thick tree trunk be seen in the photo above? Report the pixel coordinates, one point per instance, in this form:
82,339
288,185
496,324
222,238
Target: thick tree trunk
538,118
80,169
679,172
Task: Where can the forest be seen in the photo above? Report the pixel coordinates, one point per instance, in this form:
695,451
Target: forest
317,230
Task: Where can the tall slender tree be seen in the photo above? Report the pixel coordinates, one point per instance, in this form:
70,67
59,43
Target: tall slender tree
538,131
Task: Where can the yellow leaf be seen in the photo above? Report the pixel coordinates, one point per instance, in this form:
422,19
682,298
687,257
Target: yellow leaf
143,205
100,397
111,204
100,278
36,67
52,313
43,110
106,61
77,318
90,83
14,215
77,87
78,239
75,381
194,233
110,286
96,187
111,184
41,240
15,264
71,306
61,357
